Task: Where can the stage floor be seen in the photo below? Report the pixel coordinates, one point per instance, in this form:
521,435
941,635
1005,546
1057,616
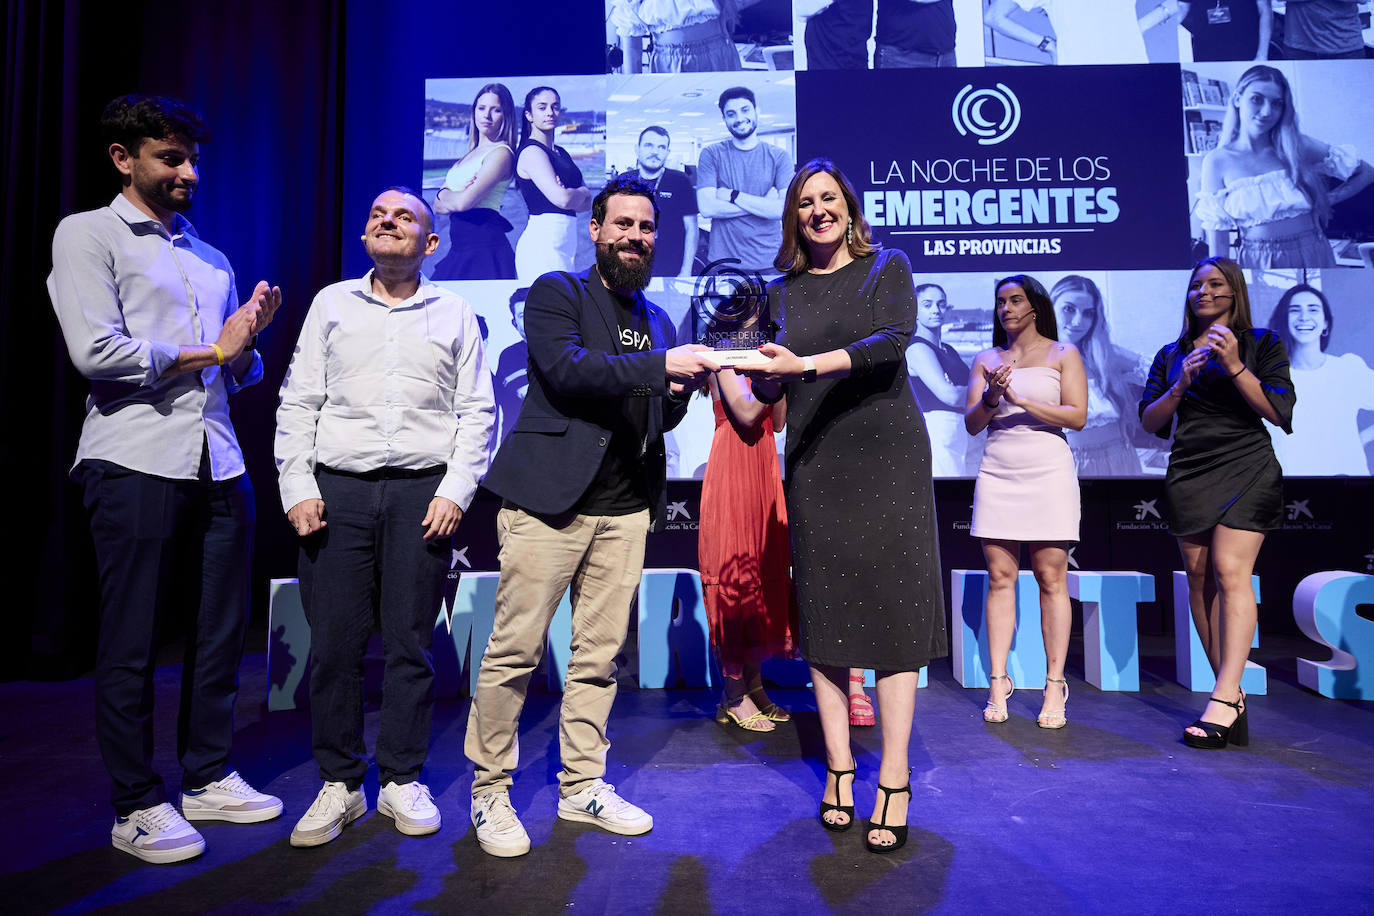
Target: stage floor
1111,815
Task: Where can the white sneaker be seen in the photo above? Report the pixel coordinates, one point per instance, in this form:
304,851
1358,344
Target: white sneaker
230,799
158,834
499,831
331,811
598,804
410,806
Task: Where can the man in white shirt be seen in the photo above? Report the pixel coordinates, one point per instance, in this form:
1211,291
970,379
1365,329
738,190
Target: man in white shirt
382,438
150,317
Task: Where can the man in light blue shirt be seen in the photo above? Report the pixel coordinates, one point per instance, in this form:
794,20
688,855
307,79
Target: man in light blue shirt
382,437
150,316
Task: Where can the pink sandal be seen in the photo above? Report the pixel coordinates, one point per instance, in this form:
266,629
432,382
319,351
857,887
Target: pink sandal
860,706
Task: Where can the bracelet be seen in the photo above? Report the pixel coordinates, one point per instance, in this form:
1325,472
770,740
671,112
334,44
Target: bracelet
990,406
219,354
1239,371
1170,394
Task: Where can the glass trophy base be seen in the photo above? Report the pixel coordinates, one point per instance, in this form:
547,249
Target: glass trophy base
746,359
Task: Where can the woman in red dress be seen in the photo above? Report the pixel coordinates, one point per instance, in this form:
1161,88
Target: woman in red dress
744,552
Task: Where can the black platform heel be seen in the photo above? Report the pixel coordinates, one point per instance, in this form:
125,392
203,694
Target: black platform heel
1218,736
826,807
898,832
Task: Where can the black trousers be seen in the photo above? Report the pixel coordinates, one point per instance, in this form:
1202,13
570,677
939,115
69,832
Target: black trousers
370,557
167,546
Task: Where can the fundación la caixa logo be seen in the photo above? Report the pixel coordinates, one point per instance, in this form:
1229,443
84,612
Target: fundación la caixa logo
991,115
1146,517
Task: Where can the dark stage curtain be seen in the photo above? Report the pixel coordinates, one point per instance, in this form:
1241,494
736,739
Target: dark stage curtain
269,78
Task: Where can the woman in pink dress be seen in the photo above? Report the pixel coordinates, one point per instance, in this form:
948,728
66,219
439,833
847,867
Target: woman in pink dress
1026,391
744,553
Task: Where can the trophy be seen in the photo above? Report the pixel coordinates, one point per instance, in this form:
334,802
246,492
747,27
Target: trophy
730,315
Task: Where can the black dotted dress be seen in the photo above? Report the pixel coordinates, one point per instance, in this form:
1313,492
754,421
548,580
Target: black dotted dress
858,483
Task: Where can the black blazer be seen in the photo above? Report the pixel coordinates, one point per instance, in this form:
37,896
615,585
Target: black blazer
578,378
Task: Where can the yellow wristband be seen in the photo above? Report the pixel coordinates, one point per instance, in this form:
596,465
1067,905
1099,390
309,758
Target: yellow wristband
219,354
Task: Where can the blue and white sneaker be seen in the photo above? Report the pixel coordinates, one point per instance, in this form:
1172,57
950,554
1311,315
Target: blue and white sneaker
499,831
599,804
158,835
229,799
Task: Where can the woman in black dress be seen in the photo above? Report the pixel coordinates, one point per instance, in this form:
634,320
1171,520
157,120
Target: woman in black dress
474,190
864,554
1223,489
552,187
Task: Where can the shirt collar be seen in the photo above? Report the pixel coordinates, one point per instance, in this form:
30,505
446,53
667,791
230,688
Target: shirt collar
125,210
423,293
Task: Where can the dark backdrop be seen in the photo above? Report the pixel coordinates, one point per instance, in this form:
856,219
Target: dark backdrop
270,77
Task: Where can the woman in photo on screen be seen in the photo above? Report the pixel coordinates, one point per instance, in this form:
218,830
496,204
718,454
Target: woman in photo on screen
1104,446
553,189
473,191
859,496
743,550
1026,391
1327,436
938,376
1224,489
686,36
1085,31
1266,181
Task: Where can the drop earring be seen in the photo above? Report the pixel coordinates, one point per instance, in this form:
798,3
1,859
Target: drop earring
849,233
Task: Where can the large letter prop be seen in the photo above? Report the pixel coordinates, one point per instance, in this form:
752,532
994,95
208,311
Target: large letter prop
1324,605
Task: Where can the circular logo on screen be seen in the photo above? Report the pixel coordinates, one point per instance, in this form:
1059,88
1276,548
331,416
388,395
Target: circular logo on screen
991,115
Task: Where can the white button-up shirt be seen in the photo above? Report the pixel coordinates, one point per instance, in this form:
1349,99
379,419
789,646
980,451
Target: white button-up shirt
373,387
128,296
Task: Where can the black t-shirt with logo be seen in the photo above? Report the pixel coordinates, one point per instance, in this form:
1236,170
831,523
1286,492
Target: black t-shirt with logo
619,486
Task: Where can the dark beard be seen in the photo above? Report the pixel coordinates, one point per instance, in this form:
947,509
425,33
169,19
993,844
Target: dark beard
617,274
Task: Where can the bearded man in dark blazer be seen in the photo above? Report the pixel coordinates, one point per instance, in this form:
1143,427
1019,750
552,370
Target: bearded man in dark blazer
583,479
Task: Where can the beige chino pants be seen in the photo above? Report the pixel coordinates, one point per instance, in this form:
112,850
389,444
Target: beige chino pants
601,557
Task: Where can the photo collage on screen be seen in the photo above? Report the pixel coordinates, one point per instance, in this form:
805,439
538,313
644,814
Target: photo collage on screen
1101,146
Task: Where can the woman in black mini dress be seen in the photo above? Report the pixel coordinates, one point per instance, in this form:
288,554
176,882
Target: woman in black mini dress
1223,489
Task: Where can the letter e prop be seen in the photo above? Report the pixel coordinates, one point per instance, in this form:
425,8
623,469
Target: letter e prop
1324,606
1190,661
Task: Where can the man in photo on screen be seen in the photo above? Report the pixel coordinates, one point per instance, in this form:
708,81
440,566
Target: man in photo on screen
740,183
675,242
1317,29
914,34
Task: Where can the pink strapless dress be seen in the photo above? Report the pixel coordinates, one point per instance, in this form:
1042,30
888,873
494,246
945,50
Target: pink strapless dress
1026,489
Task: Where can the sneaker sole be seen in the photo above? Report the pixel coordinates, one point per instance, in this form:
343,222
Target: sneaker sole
159,856
255,816
406,825
504,852
577,814
303,839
